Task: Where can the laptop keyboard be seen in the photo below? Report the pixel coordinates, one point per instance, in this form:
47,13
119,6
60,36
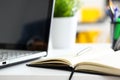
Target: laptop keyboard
10,54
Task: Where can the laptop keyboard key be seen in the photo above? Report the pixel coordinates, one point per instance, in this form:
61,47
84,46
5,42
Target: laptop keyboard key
9,54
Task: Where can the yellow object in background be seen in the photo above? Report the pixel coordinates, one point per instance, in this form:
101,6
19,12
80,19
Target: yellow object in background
91,14
88,36
81,37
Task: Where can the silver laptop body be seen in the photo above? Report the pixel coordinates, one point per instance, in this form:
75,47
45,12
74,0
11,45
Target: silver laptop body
24,30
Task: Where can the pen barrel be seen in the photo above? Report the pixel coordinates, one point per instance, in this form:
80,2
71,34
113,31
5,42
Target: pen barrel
115,34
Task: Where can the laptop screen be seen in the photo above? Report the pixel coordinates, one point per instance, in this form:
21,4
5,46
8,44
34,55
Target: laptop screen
25,24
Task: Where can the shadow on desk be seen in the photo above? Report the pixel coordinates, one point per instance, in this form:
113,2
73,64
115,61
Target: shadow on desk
67,68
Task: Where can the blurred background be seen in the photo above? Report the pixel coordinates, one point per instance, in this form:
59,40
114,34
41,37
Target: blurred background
93,23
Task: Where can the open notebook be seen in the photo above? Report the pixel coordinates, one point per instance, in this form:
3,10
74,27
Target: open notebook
100,60
24,30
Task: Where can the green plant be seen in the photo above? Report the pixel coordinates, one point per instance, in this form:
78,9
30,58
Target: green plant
66,8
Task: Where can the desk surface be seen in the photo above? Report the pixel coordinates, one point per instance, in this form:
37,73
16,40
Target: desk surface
23,72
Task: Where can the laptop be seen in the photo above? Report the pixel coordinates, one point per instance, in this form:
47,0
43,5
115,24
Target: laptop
24,30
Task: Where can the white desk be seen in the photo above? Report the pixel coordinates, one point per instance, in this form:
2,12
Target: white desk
23,72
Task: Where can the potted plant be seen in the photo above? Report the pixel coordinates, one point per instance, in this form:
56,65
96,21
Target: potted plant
64,23
66,8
